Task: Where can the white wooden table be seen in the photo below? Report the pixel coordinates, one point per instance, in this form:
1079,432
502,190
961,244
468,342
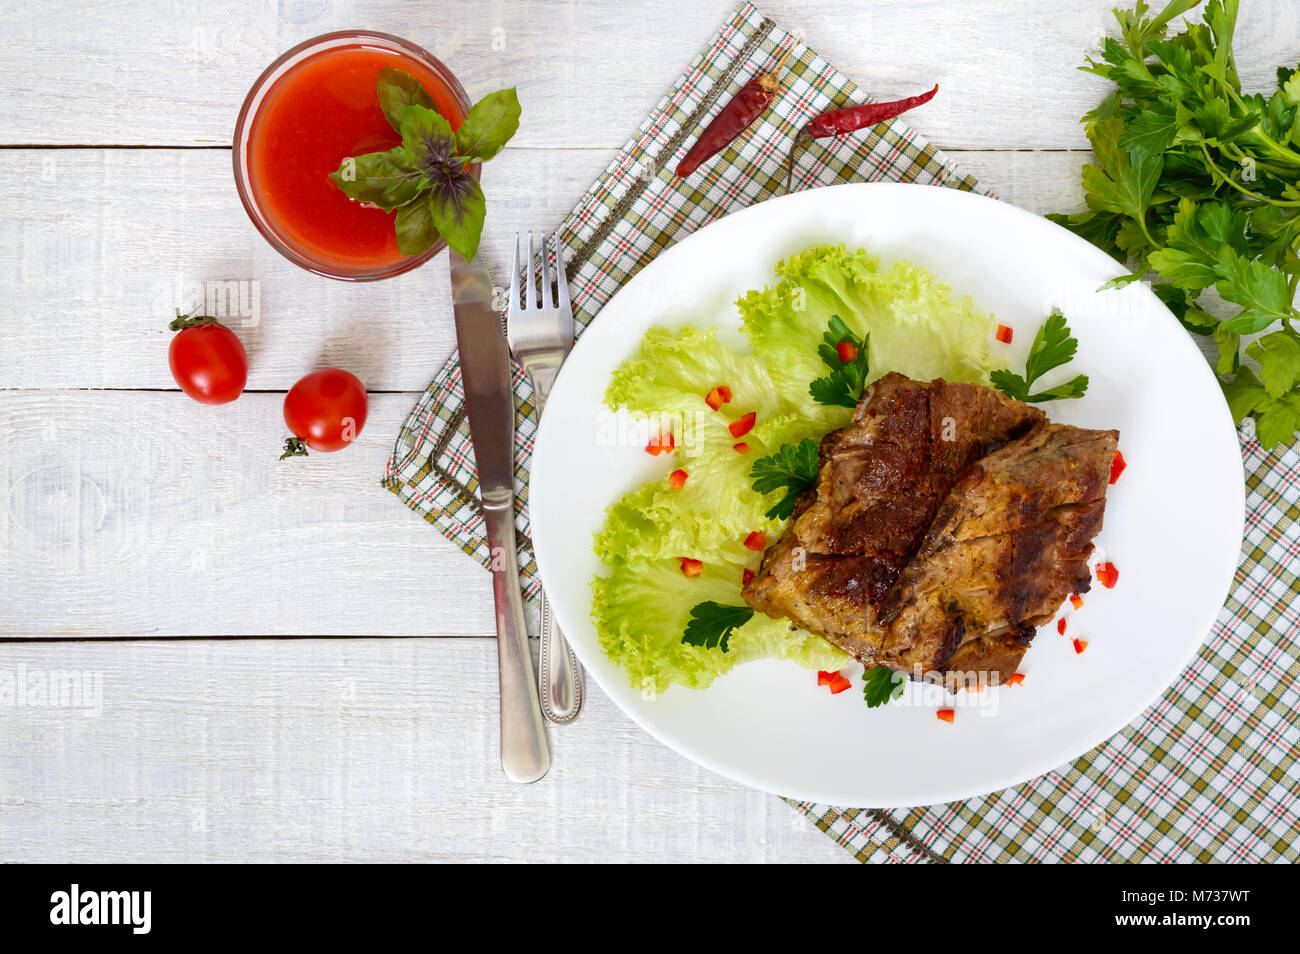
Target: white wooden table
293,666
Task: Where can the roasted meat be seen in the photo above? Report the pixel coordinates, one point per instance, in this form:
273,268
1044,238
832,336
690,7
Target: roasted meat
1010,542
880,483
882,477
947,522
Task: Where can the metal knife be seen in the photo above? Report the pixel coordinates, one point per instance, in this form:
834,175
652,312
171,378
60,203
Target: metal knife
485,374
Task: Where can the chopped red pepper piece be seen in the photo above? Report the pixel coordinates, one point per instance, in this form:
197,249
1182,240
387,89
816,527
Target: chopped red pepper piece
691,566
1060,625
742,426
660,444
1117,466
1004,334
677,479
1080,645
756,541
1015,679
746,576
740,447
1107,575
946,715
1076,601
718,396
836,681
847,351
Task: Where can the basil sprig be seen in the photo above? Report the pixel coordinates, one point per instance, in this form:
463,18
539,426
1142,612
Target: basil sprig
427,179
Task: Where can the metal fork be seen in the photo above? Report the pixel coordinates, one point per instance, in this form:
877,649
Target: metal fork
540,336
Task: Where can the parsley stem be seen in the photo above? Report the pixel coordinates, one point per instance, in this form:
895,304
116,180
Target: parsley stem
1268,141
1232,152
1142,223
1223,177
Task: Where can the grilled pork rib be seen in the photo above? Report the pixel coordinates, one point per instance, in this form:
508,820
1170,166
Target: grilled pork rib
947,522
1009,544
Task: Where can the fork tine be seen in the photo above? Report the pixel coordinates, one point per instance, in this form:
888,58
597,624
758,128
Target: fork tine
514,280
530,292
546,279
561,282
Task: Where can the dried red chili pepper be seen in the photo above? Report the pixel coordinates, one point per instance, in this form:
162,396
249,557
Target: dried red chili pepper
837,122
734,118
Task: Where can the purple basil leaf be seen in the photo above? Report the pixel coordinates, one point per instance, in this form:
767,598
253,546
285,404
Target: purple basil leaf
488,127
428,138
386,179
415,228
457,205
397,90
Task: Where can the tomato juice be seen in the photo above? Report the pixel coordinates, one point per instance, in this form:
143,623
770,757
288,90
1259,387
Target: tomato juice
307,118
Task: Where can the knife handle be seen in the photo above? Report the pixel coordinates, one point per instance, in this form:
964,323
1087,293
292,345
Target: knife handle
525,756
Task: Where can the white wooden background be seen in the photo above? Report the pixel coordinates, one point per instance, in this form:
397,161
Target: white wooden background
128,511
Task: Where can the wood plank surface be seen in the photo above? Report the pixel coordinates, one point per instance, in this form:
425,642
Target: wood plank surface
126,510
91,285
145,514
344,750
587,71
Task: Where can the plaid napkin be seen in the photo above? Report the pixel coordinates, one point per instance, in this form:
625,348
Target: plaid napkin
1208,772
636,209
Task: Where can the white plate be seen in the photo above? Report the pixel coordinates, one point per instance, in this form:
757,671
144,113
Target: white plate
1173,523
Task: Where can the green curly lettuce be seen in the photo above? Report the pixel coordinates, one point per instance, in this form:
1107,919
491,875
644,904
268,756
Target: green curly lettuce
641,610
917,326
641,607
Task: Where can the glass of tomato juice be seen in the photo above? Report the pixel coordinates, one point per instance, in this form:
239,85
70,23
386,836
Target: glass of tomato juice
312,108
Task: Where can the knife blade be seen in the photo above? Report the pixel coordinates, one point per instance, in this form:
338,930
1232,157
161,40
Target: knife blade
489,402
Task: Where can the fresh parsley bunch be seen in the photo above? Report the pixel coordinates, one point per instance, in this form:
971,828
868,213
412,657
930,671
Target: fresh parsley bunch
711,624
846,356
428,179
881,685
1053,346
1199,183
792,468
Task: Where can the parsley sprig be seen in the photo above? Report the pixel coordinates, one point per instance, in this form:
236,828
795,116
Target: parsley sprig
1053,346
843,386
1198,183
711,624
793,467
427,179
880,685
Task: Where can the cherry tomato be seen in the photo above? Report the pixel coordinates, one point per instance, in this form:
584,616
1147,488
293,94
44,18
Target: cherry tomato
207,360
325,411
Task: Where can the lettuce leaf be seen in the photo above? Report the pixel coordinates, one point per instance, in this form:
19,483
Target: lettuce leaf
917,326
676,368
640,609
707,519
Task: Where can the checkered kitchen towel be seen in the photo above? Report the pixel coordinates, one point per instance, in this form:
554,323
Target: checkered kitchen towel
1210,771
